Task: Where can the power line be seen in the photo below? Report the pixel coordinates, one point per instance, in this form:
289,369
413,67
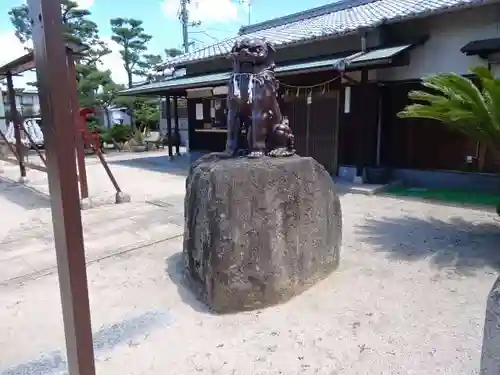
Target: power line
248,3
184,16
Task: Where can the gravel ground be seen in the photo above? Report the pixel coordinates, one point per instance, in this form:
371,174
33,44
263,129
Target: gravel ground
409,298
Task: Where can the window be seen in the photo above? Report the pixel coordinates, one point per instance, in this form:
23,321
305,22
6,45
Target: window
218,112
27,100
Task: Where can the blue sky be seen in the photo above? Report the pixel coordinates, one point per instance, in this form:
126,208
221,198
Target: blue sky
220,19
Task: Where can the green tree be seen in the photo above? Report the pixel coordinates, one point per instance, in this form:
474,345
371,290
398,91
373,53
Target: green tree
150,63
89,87
107,96
147,113
147,67
173,52
130,35
458,102
469,108
77,28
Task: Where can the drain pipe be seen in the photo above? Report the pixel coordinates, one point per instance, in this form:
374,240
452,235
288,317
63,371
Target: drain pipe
363,42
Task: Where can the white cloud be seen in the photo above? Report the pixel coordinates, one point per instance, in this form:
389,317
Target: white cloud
12,48
213,11
84,4
114,62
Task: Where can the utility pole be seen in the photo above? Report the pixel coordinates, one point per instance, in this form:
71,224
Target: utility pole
184,16
249,4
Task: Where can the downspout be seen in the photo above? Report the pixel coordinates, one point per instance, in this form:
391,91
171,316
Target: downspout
363,42
379,126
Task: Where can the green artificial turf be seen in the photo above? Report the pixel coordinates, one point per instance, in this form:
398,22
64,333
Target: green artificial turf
448,195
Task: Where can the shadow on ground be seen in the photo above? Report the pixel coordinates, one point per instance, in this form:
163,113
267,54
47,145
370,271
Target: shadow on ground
457,243
175,271
129,332
161,163
23,195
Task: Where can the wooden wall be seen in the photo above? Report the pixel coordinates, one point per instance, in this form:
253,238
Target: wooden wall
358,128
426,144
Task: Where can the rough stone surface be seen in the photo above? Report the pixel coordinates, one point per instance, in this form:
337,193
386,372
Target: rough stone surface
258,232
490,359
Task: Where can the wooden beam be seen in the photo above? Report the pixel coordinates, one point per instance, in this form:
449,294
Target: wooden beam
77,126
16,121
168,112
29,165
176,126
55,103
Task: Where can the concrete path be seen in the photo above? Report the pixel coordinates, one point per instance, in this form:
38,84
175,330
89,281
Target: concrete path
155,214
409,297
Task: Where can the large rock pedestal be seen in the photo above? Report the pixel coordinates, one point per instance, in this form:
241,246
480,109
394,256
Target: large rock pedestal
490,359
258,232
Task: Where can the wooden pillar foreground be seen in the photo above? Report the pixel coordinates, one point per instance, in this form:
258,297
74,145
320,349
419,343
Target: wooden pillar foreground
169,127
16,118
55,103
176,127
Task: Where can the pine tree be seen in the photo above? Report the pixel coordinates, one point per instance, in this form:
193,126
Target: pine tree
130,35
78,28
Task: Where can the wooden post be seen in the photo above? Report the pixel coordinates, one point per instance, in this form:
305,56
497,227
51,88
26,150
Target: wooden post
77,125
16,118
55,102
169,127
176,126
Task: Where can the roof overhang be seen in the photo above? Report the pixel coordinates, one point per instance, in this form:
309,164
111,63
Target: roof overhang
380,57
27,62
374,58
207,80
482,47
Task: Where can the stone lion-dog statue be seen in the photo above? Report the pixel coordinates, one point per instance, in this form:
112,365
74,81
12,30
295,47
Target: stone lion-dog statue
253,104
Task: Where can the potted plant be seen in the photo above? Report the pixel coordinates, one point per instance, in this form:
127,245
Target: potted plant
137,142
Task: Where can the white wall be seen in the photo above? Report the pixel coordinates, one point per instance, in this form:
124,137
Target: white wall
448,33
116,117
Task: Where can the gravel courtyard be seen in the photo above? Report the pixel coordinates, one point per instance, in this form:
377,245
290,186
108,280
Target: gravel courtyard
409,298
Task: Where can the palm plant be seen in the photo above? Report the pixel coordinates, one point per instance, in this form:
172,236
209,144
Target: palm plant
458,102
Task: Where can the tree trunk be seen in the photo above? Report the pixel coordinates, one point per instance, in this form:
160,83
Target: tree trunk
130,83
108,120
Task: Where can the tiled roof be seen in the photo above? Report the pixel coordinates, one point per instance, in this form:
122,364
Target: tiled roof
335,19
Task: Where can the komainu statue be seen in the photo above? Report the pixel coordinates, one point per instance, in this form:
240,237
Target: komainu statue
253,103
